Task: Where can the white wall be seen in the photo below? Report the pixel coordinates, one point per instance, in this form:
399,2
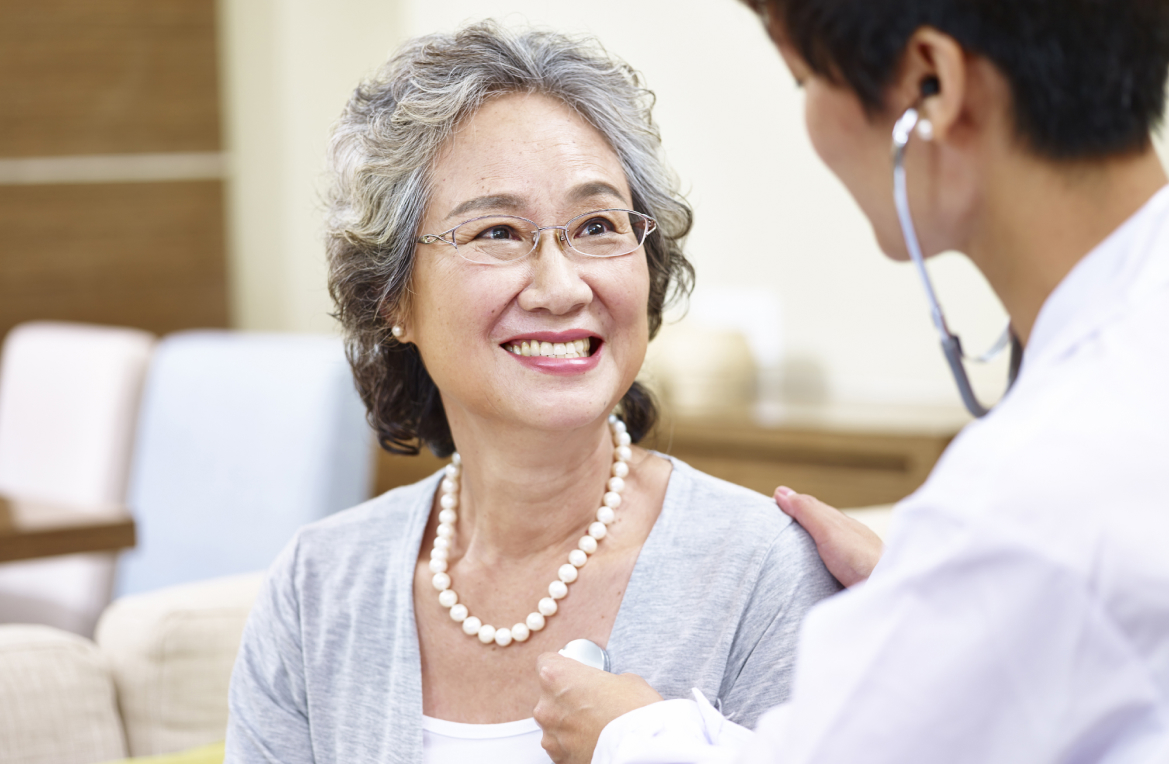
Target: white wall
769,216
287,68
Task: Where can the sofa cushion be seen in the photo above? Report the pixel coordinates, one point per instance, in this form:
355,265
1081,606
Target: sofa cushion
57,699
171,652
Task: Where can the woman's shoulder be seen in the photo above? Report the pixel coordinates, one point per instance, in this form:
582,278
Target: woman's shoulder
706,503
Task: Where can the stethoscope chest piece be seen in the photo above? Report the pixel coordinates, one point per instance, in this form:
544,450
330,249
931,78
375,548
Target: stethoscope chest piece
589,653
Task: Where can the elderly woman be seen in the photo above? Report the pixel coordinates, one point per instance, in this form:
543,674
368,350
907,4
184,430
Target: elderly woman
503,236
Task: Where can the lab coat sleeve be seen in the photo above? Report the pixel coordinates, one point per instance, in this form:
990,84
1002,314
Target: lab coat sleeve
671,732
966,650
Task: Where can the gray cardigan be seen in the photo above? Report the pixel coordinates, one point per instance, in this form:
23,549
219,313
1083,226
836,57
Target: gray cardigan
328,670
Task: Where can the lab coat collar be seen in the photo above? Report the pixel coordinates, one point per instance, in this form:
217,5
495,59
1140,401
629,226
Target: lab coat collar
1103,283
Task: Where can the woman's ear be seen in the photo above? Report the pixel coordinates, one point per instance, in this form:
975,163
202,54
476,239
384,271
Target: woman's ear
398,319
933,79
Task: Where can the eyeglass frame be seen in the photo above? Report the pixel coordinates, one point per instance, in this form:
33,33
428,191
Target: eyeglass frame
431,238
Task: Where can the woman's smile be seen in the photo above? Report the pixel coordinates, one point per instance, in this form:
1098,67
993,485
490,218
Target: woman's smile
565,353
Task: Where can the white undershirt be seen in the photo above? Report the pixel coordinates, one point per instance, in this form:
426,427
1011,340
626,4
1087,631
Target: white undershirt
517,742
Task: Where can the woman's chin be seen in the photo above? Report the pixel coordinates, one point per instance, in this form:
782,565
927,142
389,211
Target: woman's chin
562,413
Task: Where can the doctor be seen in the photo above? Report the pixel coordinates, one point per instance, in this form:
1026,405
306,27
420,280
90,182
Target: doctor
1020,611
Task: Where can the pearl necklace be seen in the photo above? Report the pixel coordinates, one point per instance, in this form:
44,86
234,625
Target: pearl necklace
567,573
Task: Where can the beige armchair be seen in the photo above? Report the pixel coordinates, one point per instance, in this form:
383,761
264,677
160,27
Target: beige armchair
153,681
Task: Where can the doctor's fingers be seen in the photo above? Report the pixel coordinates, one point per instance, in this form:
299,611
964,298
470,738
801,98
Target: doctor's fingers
576,702
849,549
565,687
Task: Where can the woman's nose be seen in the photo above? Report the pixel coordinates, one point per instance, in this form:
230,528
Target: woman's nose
556,284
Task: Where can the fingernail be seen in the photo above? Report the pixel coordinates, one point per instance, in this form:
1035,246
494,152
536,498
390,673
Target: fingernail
784,491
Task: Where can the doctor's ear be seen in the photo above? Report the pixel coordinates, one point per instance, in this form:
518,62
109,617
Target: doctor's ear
933,79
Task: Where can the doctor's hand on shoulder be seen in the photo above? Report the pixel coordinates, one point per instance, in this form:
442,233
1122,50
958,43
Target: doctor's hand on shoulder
849,549
577,701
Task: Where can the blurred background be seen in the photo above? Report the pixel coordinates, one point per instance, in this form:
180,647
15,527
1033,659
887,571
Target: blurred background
160,165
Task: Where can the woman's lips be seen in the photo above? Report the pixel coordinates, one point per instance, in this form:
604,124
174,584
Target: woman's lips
563,358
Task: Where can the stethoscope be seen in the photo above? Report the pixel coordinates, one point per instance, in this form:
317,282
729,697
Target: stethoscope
951,345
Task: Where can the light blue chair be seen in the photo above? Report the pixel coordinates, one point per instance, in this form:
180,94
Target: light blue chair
242,439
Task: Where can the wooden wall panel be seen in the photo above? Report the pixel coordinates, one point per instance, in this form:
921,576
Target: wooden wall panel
107,76
148,255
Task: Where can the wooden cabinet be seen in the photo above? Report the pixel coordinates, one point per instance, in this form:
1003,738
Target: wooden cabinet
848,458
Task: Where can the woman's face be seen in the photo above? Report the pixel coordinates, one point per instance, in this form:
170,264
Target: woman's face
529,156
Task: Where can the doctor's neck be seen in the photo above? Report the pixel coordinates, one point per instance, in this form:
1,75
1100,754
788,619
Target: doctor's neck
1040,217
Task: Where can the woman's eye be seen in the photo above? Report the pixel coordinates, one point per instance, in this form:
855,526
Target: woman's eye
498,233
596,227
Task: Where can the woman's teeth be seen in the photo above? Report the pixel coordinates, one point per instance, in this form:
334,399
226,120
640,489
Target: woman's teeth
574,349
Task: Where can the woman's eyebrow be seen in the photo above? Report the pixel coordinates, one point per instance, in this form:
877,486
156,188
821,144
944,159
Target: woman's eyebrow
506,202
513,204
595,189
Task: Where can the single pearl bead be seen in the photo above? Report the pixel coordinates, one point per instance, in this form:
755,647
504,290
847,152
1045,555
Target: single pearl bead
447,598
535,621
447,516
612,499
598,530
613,419
577,557
449,486
451,471
458,612
588,544
622,438
503,637
567,573
471,625
623,453
442,543
606,515
616,485
486,633
446,530
620,469
520,632
439,553
547,606
558,590
437,566
441,581
449,501
456,459
619,426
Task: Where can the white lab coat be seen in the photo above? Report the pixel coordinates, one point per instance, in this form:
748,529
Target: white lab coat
1020,612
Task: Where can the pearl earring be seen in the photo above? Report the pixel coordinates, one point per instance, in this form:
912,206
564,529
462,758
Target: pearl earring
397,331
925,130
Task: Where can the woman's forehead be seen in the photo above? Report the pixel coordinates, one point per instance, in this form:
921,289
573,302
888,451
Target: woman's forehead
521,149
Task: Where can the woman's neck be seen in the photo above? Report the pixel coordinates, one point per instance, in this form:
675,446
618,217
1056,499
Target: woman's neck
523,492
1041,218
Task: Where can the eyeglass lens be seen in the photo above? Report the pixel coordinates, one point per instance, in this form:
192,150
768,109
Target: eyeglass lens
502,238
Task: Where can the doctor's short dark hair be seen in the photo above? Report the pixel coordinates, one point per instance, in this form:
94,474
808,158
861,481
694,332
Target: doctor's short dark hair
379,162
1087,77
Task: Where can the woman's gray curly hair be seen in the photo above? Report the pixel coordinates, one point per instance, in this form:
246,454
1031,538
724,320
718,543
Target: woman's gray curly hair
380,157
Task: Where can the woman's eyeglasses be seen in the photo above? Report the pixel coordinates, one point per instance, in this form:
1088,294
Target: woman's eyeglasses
503,239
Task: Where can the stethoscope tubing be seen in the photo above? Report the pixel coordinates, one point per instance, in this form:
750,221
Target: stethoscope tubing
951,344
